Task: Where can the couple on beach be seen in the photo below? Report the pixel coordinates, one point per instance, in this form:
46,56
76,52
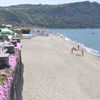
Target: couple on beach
79,52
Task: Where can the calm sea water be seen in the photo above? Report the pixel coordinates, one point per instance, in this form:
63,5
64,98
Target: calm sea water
88,38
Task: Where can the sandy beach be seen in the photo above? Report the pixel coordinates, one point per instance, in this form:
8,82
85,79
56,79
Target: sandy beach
51,72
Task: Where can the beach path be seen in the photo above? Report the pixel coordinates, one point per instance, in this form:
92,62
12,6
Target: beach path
51,72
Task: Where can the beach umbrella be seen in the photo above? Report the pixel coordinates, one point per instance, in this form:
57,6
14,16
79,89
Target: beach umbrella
6,31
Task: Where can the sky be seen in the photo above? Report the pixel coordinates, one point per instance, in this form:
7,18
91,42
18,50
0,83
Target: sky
16,2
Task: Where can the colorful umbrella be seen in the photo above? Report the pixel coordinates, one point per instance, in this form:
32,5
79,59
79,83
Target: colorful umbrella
6,31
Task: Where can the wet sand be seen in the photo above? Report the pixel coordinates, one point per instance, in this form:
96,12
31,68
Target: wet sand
51,72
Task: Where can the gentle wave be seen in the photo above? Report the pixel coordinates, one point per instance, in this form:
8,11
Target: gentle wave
92,51
66,38
89,50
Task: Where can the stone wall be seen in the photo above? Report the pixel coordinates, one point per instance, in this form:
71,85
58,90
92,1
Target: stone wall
17,84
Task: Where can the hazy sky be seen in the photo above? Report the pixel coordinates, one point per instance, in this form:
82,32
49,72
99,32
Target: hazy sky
15,2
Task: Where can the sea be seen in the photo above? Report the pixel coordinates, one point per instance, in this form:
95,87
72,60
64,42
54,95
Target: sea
88,38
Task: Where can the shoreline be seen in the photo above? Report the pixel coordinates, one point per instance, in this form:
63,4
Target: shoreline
87,48
72,43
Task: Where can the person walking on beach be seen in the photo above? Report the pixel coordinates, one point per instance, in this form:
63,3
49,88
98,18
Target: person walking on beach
73,49
78,47
79,52
82,52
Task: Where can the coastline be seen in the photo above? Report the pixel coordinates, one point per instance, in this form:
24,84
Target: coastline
86,49
52,72
89,44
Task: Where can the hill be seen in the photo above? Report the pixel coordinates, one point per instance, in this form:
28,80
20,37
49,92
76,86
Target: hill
74,15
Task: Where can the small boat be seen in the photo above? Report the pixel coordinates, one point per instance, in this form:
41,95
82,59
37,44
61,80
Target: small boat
92,33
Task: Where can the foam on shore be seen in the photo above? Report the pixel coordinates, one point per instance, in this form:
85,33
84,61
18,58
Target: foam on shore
89,50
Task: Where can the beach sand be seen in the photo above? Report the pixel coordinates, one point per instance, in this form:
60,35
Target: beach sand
51,72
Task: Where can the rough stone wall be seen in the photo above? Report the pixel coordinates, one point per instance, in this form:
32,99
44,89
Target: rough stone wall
17,84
